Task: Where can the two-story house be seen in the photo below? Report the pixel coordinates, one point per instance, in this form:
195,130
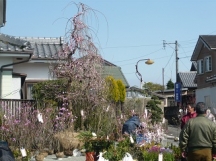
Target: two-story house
204,55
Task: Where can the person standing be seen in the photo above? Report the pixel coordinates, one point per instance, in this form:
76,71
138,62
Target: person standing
210,116
198,136
191,113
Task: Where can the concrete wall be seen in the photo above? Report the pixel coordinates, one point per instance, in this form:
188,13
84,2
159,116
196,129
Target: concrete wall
207,95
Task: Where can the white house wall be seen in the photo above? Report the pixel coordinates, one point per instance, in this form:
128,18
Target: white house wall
6,88
5,61
6,77
207,95
34,71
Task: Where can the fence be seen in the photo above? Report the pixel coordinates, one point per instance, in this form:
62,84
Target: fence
13,107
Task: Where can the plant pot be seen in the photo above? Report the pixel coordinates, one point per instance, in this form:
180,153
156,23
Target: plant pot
50,151
91,156
59,155
45,154
68,153
39,157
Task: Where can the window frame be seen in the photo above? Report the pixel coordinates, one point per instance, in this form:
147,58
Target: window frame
200,66
28,95
208,63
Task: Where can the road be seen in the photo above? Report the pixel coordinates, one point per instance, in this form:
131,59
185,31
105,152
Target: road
173,130
171,133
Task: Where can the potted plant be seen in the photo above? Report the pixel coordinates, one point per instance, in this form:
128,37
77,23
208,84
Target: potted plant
151,153
116,152
93,144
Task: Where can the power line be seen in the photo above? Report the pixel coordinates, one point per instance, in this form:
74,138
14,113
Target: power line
138,57
132,46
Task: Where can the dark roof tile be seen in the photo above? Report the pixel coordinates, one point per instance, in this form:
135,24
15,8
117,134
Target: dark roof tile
187,79
13,44
207,40
45,48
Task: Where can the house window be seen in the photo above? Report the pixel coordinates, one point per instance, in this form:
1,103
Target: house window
208,63
29,87
200,67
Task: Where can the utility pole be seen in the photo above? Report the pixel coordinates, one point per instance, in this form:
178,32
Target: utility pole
176,55
163,79
176,52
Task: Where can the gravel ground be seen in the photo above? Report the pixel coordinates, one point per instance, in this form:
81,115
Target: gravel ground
53,157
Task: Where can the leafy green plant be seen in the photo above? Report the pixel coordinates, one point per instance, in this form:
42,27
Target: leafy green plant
118,150
55,88
93,143
155,110
176,151
152,154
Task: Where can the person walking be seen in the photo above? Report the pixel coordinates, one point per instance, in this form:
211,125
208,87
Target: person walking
191,113
198,136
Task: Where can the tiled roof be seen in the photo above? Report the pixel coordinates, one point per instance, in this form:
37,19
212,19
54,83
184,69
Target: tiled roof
12,44
142,90
116,73
45,48
208,41
187,79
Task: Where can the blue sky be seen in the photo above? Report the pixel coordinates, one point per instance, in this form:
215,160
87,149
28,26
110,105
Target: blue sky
126,30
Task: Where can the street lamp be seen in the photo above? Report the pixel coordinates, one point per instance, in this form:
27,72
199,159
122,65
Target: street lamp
148,61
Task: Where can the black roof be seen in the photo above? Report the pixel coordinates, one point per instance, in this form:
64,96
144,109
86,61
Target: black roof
208,41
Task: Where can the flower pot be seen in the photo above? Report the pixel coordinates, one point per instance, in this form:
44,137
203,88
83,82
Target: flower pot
68,153
59,155
50,151
91,156
39,157
45,154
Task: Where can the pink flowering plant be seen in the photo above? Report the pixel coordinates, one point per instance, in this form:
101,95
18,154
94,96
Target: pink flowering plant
26,130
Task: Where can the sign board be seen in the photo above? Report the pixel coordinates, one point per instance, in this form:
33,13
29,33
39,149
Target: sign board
177,92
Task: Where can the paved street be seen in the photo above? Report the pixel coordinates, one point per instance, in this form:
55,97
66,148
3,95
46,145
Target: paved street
53,157
172,132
